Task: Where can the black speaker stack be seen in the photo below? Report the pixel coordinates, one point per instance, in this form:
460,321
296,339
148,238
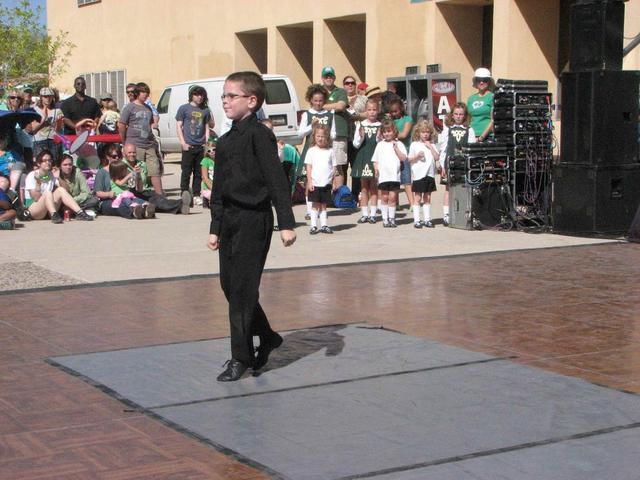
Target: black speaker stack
596,186
522,121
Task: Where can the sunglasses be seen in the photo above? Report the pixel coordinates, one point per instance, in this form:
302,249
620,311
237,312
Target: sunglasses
115,155
349,83
483,80
13,97
130,92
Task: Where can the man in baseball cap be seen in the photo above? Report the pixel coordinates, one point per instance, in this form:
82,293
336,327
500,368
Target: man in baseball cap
339,103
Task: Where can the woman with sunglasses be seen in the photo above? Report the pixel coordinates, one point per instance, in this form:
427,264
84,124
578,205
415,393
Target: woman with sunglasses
356,109
50,122
480,105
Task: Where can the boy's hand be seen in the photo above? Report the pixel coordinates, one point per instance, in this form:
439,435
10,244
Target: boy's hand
310,186
185,147
288,237
213,242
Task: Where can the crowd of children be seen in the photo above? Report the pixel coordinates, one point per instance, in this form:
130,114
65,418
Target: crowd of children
390,153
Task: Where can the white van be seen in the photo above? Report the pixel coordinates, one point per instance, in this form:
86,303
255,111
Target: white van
280,106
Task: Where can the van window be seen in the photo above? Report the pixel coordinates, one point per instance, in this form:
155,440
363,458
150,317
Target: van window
277,92
163,103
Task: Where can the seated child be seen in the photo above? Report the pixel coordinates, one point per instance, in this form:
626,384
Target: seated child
7,213
207,165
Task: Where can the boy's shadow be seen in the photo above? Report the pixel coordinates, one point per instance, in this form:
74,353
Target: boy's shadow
303,343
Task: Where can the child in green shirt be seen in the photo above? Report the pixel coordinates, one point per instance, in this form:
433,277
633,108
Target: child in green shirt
207,166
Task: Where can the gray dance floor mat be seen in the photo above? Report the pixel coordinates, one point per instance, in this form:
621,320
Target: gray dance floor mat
349,402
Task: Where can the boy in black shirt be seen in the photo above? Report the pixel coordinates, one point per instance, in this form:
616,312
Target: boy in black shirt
247,179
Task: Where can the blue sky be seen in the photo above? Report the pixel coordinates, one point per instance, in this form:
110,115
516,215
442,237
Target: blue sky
42,3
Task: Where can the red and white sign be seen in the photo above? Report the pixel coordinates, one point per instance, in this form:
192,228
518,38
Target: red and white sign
443,98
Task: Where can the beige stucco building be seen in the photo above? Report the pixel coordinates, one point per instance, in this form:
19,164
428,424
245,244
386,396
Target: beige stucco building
166,41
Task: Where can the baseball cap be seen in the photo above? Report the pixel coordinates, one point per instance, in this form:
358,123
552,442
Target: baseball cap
106,96
328,72
46,92
482,73
27,88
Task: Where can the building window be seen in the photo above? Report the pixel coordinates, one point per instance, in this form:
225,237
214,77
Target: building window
87,2
113,82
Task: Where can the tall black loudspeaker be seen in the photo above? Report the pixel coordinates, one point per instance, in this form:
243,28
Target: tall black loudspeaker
595,199
597,28
600,117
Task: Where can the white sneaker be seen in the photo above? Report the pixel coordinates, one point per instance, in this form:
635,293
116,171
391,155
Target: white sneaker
197,201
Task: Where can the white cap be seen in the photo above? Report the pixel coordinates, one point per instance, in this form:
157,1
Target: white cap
482,73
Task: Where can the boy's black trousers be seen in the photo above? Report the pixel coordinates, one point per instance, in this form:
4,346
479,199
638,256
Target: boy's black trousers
245,237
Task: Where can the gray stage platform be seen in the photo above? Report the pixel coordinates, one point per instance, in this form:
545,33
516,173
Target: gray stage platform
348,402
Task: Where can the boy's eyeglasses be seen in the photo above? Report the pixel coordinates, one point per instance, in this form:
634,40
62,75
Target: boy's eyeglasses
349,83
12,97
231,96
130,92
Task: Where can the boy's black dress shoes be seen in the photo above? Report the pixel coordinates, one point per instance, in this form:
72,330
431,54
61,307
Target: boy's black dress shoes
265,349
235,369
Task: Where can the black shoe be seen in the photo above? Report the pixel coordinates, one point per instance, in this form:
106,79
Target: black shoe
326,229
371,220
314,231
264,350
386,224
186,199
149,210
24,215
392,223
56,218
429,224
445,221
417,225
82,215
363,219
235,369
137,211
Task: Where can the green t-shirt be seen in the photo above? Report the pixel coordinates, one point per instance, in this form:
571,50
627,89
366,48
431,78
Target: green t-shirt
480,109
400,123
341,118
118,189
210,164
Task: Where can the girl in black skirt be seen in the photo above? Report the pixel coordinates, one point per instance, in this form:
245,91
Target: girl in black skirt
423,156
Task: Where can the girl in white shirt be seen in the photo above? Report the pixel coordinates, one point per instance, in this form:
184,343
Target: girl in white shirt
321,165
386,160
423,156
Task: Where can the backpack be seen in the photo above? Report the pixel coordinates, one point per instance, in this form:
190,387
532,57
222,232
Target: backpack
343,198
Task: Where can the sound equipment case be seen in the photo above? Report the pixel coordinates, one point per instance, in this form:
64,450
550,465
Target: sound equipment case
477,207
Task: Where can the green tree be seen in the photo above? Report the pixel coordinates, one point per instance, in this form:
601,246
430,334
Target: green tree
27,50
